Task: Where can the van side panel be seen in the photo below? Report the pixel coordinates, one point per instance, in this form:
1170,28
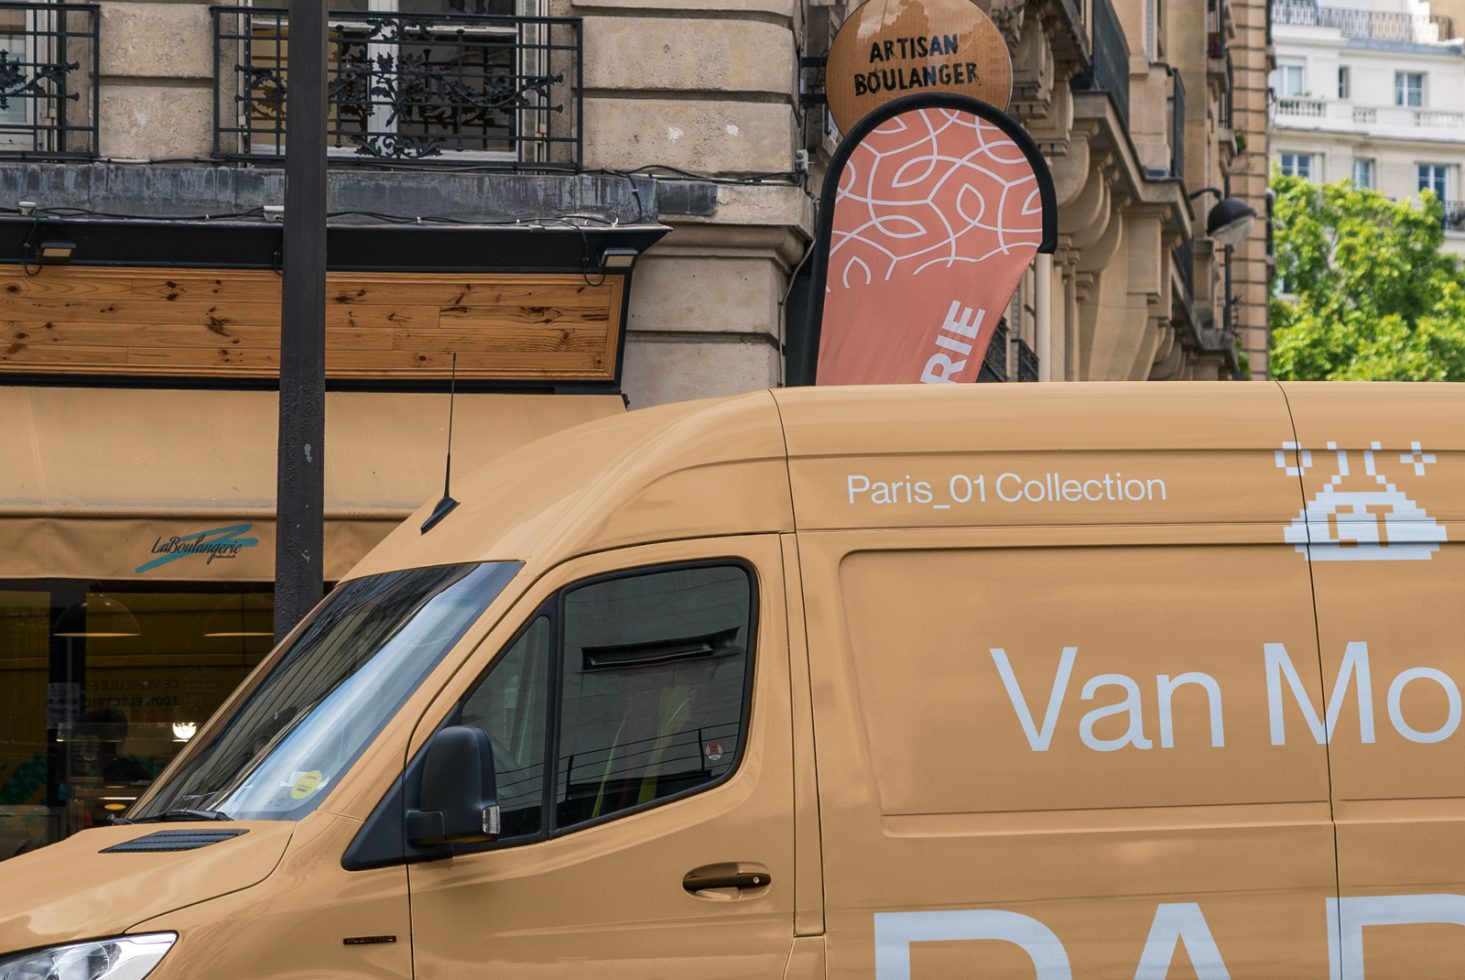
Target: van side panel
1050,752
1384,533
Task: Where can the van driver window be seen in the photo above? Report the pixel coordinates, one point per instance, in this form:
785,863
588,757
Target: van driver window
509,704
652,687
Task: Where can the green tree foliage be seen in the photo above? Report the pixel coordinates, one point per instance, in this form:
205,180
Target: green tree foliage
1369,295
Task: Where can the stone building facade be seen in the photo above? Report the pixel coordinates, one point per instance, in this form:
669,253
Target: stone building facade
1373,93
703,118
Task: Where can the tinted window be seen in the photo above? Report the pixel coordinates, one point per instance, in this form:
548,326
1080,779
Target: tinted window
649,699
652,676
509,704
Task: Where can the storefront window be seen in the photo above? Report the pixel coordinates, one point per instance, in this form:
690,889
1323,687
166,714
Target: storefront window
25,637
100,689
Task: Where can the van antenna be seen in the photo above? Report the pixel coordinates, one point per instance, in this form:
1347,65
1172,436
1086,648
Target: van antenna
445,506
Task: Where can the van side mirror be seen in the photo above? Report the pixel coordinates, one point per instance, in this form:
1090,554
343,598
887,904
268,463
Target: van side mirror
459,795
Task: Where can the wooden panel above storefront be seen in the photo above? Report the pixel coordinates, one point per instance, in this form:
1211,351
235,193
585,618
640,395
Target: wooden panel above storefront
210,323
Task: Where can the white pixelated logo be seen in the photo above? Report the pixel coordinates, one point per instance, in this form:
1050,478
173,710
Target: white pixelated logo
1361,517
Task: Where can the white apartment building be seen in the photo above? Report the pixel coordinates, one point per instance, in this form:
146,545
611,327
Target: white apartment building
1373,93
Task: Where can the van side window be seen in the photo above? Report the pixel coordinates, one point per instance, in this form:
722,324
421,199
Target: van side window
509,704
653,679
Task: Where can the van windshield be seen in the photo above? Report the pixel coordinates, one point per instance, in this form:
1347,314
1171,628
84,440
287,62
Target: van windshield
358,658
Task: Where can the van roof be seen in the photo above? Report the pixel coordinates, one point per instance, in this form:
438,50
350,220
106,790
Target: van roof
1170,453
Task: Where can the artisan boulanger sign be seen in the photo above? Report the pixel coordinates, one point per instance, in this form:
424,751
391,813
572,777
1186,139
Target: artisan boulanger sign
932,209
890,48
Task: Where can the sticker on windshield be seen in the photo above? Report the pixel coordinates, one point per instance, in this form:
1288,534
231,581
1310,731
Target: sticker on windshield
306,783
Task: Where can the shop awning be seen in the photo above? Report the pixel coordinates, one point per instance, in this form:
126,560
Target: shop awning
119,485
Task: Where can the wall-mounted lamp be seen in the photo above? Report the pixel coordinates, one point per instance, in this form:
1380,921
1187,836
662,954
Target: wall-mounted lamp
617,259
56,252
1230,221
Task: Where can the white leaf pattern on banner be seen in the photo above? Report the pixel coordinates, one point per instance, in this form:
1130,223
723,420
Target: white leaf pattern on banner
920,207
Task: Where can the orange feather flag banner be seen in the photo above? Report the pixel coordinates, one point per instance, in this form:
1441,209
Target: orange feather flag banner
933,207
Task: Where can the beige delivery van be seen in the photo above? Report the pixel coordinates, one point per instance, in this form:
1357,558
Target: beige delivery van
1132,681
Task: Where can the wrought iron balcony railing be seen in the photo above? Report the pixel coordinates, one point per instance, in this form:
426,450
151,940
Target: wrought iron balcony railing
1177,125
1454,215
425,88
48,80
994,363
1377,25
1109,70
1184,255
1027,360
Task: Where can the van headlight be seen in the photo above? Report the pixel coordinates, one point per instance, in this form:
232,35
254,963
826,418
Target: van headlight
123,958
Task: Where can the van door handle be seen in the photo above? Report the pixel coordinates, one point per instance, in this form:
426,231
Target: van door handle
740,876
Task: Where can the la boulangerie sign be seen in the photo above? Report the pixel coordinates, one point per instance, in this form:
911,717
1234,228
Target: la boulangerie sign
933,207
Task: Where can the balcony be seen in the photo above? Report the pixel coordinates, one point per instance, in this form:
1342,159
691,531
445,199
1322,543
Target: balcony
48,89
1372,24
1340,115
1108,71
474,89
1027,360
994,363
1177,125
1454,215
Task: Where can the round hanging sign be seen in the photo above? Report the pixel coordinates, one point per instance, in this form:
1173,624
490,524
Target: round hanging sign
887,49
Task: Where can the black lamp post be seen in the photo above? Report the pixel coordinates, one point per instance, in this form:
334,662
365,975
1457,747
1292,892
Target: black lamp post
1229,223
300,487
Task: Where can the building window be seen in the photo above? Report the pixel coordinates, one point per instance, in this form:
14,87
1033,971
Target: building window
47,78
1409,88
1152,21
1344,88
411,79
1287,80
1297,165
1435,177
1363,173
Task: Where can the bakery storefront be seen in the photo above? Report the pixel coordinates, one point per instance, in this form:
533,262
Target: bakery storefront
137,476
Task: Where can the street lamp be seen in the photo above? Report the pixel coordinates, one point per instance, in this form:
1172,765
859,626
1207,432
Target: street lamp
1230,221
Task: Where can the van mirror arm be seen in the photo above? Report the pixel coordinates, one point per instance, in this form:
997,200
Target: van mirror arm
459,793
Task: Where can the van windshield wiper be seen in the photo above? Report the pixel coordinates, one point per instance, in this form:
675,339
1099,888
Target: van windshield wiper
180,814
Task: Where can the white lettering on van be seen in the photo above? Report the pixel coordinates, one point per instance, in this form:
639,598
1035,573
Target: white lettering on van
1165,688
1176,924
895,932
959,491
1347,918
1355,665
1037,740
964,322
1048,488
1354,671
1396,712
907,491
1131,704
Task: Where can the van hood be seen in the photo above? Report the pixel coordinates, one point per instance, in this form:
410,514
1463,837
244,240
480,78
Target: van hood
76,889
